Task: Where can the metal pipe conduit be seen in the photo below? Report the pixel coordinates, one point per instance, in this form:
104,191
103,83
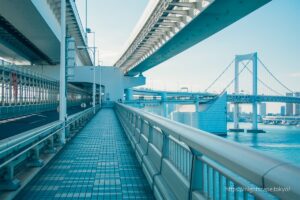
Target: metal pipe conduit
264,171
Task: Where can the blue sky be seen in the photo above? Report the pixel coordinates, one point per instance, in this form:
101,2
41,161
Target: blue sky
273,31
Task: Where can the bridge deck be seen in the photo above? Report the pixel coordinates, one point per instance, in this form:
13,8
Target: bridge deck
97,164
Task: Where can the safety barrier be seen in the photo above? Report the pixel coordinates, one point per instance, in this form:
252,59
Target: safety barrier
24,92
181,162
21,151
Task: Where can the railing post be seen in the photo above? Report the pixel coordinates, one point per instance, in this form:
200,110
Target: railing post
9,182
34,160
165,145
51,148
141,129
196,174
150,134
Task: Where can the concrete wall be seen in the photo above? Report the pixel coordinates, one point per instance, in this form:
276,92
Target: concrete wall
112,79
214,118
211,117
48,71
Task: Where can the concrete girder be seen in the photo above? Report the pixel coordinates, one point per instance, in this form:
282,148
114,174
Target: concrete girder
173,18
185,4
178,12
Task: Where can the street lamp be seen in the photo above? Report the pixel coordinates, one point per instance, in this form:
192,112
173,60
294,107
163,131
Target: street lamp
62,79
100,80
94,73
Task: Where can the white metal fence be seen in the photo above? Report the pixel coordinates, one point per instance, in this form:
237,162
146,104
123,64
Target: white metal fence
181,162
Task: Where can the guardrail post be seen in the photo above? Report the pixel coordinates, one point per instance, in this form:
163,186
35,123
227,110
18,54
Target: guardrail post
150,133
196,174
141,129
34,160
9,182
51,148
165,145
67,132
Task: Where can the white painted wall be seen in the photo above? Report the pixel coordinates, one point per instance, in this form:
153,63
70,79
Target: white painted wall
112,79
211,118
48,71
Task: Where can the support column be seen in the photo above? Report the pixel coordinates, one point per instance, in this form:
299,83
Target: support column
197,110
197,103
254,103
100,88
62,86
236,91
129,95
94,89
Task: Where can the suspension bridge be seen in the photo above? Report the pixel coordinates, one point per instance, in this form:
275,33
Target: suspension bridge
150,96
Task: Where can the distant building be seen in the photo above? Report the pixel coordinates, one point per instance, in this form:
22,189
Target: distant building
228,108
289,106
297,106
263,109
282,111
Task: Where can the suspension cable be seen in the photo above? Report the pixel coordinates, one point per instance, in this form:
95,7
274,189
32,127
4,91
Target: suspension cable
219,76
262,82
229,84
283,85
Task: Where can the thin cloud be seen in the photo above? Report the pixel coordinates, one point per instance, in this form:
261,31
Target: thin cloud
295,75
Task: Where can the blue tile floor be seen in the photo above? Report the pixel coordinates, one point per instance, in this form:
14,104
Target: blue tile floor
96,164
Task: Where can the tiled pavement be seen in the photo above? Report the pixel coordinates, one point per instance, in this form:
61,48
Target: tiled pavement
97,164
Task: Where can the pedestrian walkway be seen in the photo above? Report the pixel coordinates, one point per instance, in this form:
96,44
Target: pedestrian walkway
98,163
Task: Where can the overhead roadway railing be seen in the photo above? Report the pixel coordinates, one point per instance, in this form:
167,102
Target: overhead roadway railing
74,25
24,92
26,150
181,162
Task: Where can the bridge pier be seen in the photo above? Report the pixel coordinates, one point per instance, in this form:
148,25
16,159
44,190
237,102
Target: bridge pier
164,104
197,109
254,87
128,94
236,127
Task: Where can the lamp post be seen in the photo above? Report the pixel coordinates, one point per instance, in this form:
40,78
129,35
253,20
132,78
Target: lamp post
62,79
94,74
94,65
86,10
100,81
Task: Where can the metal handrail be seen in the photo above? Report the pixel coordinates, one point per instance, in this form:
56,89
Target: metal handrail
23,139
262,170
33,137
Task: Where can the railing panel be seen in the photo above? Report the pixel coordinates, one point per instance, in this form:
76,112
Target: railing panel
157,138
